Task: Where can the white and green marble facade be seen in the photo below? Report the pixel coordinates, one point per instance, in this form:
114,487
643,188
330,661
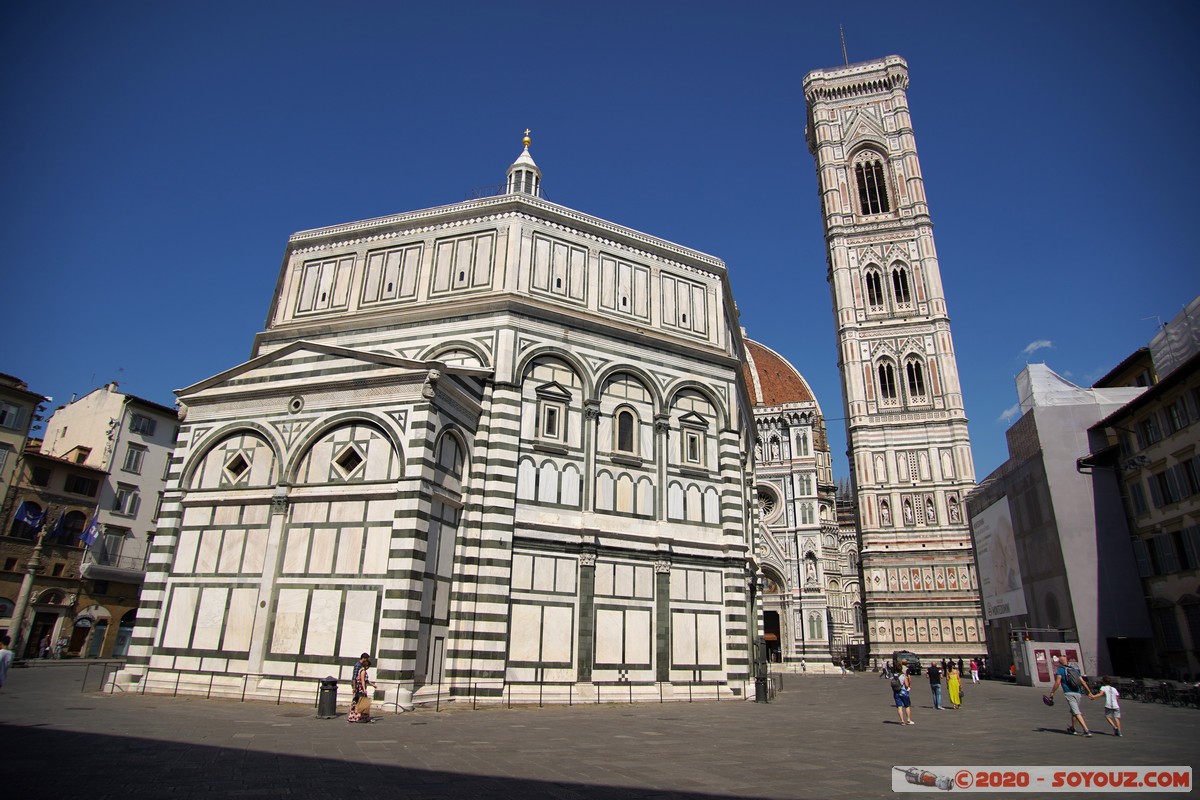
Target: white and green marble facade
501,445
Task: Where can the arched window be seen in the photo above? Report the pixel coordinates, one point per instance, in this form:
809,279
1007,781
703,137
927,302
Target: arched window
625,432
21,529
900,288
816,628
887,382
874,291
858,618
916,380
872,184
72,525
802,444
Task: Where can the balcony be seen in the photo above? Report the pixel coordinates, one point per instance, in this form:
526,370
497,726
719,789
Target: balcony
99,565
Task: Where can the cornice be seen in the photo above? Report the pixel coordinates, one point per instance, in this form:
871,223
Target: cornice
484,209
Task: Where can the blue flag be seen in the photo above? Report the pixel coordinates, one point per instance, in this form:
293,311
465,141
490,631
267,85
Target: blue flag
27,514
91,533
60,525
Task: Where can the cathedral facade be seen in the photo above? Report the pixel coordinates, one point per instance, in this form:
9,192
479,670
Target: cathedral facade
910,455
812,612
501,445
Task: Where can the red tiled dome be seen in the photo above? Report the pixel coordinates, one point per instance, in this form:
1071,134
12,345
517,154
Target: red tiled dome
771,379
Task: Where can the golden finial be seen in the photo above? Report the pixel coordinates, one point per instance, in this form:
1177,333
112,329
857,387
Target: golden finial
525,141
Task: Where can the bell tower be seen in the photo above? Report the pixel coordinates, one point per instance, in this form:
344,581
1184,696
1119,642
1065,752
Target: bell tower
906,430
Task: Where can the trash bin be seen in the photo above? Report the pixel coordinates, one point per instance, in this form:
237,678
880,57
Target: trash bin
327,698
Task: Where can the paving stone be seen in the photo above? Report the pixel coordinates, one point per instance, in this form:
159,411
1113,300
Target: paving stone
824,737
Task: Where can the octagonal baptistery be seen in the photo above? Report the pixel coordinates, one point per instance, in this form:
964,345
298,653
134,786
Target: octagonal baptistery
812,613
498,445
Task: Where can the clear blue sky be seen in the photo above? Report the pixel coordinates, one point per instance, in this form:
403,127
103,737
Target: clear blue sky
157,155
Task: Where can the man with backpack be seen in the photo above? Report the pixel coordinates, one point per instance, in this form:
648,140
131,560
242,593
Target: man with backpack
1069,678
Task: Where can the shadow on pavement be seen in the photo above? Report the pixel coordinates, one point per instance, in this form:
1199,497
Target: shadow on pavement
68,764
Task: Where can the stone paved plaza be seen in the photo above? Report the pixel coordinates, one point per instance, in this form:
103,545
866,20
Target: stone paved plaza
823,737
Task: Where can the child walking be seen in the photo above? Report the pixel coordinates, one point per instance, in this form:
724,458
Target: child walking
1112,705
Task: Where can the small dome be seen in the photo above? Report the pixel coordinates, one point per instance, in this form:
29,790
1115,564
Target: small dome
771,379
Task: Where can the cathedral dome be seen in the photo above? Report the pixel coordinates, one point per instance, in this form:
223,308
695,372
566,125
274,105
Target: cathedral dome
771,379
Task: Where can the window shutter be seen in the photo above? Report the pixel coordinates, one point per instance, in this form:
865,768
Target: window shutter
1168,558
1172,486
1155,495
1141,556
1189,537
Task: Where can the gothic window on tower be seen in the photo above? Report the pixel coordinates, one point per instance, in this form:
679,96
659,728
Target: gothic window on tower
871,179
901,290
887,384
915,376
874,283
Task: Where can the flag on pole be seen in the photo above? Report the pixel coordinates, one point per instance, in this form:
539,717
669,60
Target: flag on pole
60,525
27,513
91,533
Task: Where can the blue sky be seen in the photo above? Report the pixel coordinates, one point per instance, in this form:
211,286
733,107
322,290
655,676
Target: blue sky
157,156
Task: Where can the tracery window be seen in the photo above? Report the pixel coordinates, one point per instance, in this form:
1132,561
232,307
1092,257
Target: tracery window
887,383
900,285
916,380
872,184
874,290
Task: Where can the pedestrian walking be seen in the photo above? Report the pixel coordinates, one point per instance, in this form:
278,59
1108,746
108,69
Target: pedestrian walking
360,703
974,671
935,685
1070,680
803,665
954,688
44,647
1112,704
6,657
901,685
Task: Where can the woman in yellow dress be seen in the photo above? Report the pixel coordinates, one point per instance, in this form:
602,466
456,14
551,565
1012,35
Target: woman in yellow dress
954,686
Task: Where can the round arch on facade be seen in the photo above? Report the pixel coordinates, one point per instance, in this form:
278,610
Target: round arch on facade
602,378
568,358
431,352
216,437
722,412
327,424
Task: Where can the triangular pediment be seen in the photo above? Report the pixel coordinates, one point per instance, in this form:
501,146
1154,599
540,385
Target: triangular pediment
304,365
693,419
553,391
864,124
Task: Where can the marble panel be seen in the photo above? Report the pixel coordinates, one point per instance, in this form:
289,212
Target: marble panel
256,551
375,558
349,551
185,552
239,626
230,560
289,620
181,611
324,541
525,637
206,554
210,618
359,617
558,634
325,607
295,554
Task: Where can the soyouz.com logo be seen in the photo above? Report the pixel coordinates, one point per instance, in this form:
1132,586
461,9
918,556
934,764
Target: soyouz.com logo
1041,779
